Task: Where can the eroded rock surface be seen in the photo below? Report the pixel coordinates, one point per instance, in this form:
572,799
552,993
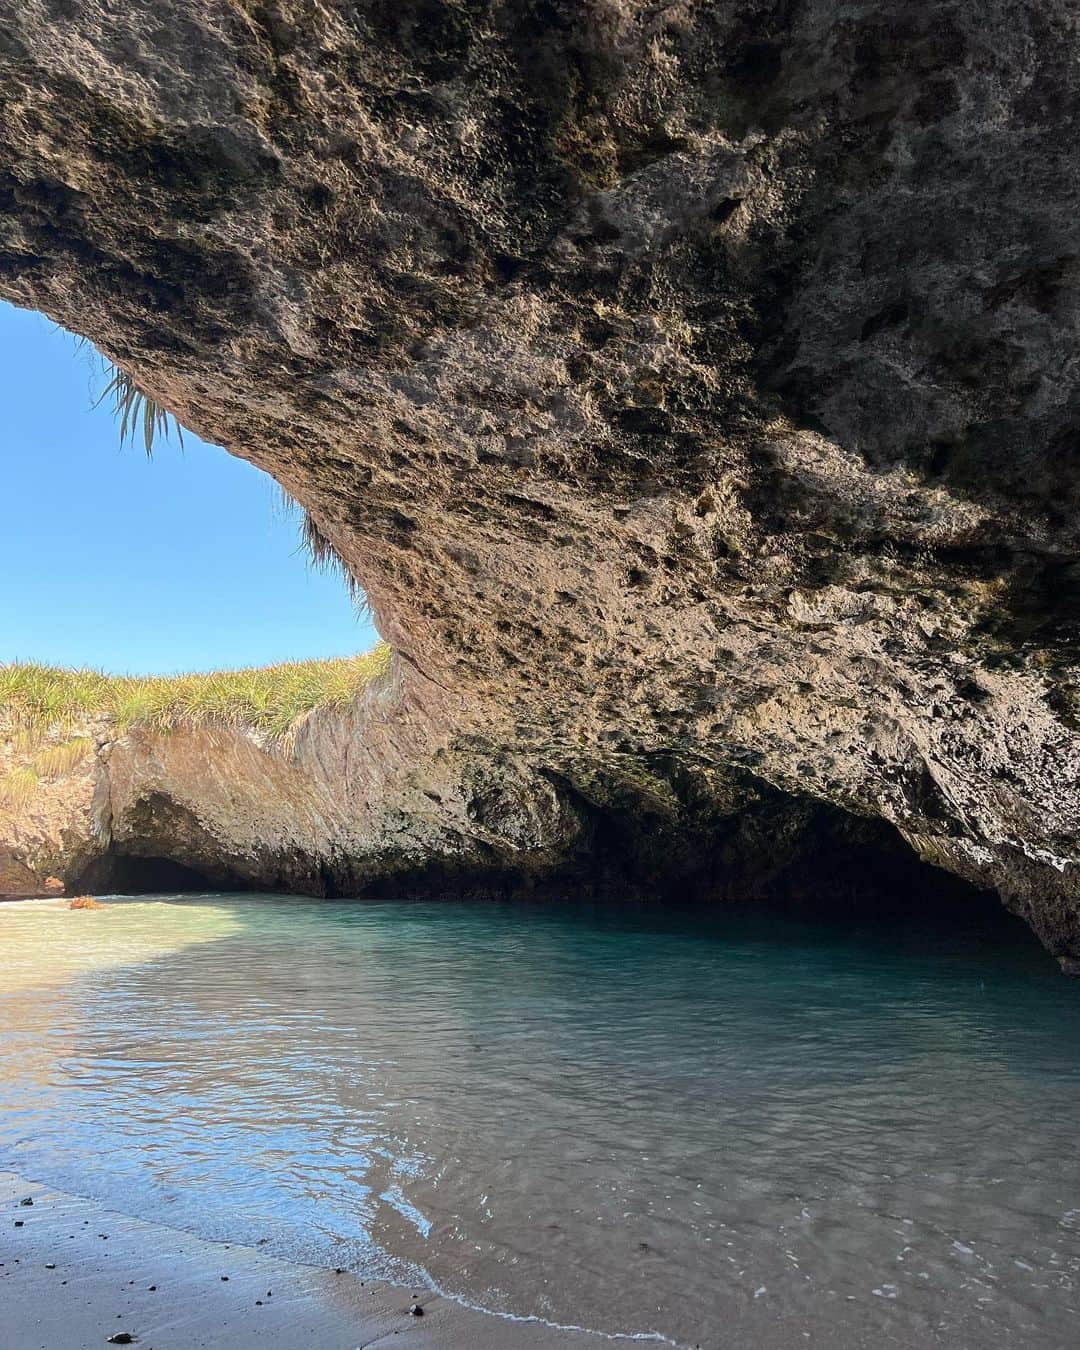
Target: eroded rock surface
692,387
355,798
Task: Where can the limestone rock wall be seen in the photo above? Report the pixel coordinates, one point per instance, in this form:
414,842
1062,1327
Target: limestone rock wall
692,387
356,798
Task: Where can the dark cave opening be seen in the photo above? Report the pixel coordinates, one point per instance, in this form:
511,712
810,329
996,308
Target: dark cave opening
838,864
780,854
777,850
776,854
128,874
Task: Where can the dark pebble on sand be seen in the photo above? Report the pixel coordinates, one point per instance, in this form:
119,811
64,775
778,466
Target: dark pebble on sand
258,1303
416,1310
339,1270
153,1289
18,1223
224,1279
29,1200
121,1338
50,1265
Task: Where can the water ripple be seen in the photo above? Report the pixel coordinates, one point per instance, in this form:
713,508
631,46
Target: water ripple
705,1126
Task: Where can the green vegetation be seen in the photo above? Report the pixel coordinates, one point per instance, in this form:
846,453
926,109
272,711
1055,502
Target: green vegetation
55,761
18,786
45,701
43,709
132,406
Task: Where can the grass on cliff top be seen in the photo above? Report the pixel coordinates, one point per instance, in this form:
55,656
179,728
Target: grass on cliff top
38,699
41,706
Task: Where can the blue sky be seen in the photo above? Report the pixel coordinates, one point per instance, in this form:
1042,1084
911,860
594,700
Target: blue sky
108,559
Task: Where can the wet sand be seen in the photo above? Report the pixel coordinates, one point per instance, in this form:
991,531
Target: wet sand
74,1274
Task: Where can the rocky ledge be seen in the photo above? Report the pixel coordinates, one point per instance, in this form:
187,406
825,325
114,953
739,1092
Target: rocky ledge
692,388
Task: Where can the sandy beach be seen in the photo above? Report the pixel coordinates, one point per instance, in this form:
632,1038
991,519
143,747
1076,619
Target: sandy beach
75,1276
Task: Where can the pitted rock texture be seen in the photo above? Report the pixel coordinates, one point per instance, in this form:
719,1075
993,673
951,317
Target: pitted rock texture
376,800
693,387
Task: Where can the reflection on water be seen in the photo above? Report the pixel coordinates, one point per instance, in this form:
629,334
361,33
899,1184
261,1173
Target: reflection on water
718,1127
42,942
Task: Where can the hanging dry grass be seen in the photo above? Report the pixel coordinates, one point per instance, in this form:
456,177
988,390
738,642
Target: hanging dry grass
322,554
135,409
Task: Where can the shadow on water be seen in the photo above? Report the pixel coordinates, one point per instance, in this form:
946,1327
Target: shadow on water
688,1118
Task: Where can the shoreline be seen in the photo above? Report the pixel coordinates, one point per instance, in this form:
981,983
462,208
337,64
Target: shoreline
74,1273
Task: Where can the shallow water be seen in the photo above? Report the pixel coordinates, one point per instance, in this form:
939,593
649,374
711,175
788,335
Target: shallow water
722,1128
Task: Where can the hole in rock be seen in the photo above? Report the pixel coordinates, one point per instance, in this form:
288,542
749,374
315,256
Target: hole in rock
200,563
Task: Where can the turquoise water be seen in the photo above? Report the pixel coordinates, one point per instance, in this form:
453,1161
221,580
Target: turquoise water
721,1128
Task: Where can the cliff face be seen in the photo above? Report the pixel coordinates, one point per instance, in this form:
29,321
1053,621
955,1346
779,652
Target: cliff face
692,387
379,799
355,797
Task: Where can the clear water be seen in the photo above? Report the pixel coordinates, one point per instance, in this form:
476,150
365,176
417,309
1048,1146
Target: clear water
725,1129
